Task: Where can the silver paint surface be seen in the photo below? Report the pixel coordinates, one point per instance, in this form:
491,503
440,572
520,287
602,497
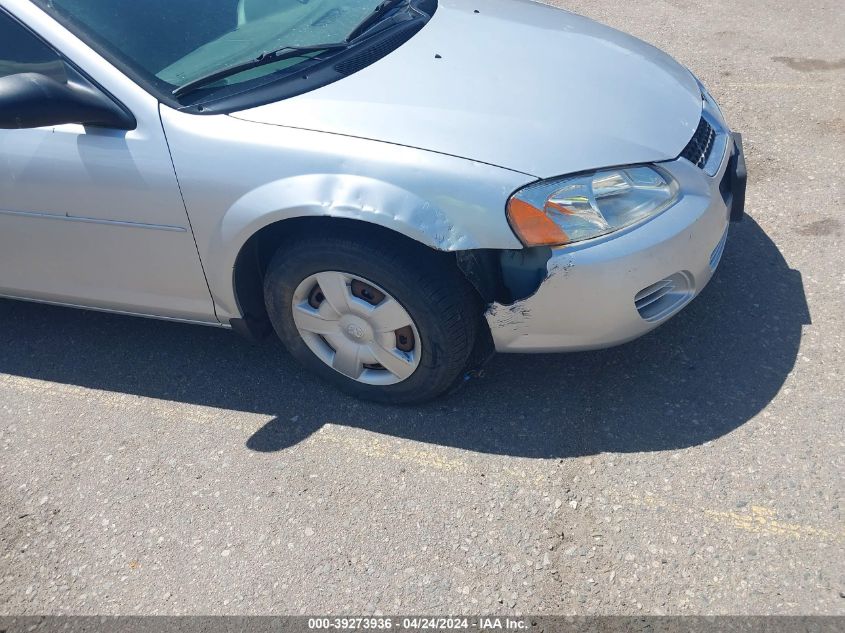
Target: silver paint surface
444,202
587,299
430,148
112,178
520,85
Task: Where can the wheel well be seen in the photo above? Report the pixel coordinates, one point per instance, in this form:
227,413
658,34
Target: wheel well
496,276
253,259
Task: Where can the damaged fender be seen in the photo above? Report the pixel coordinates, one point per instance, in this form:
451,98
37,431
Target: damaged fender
281,173
350,197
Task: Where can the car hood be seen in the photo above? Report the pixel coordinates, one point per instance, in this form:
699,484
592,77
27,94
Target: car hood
515,84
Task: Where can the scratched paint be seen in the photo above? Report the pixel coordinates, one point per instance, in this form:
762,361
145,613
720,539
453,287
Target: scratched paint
517,316
357,198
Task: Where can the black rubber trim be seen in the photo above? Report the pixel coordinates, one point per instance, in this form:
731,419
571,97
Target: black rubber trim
81,75
252,329
739,179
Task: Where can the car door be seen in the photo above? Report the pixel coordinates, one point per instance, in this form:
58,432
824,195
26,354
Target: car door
92,216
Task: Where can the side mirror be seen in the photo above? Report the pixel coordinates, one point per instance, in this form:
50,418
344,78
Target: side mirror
29,100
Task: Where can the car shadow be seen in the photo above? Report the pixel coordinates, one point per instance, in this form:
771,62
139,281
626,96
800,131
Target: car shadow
697,378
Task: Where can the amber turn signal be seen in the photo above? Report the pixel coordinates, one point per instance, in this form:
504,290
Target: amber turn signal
533,226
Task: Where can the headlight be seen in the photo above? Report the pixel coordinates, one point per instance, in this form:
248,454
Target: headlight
576,208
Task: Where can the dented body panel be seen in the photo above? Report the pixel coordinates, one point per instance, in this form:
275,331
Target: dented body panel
589,297
446,203
430,142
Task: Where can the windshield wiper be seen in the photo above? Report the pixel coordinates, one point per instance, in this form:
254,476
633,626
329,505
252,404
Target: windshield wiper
375,17
379,14
270,57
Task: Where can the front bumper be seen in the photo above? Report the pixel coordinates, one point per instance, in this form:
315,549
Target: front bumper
609,292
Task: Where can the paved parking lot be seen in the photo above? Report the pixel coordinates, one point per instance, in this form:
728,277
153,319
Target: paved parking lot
149,467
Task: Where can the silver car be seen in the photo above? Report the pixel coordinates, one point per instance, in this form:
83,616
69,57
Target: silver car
396,188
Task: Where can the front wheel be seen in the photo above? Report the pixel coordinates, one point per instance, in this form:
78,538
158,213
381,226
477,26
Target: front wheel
382,323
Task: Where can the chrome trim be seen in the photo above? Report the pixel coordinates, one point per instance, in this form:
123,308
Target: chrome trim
76,218
142,315
713,115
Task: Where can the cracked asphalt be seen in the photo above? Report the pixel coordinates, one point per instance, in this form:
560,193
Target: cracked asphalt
157,468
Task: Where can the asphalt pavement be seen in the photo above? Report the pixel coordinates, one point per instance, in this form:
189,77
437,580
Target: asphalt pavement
158,468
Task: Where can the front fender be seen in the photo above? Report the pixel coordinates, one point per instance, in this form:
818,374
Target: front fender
341,196
238,177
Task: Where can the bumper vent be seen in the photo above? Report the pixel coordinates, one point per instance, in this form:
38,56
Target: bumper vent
701,146
716,257
661,300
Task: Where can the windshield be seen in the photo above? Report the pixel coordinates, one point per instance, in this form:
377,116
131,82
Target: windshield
175,42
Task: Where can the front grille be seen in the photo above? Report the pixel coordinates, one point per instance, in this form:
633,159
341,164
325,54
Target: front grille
700,147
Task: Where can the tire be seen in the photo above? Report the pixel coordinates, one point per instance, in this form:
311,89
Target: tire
442,306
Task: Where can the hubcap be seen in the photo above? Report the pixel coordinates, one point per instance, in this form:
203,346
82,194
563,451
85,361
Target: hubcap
356,328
